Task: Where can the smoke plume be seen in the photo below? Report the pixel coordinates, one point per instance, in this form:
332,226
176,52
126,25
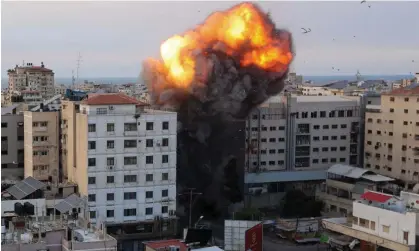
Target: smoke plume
213,76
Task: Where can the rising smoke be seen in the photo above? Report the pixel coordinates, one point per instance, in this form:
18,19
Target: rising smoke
213,76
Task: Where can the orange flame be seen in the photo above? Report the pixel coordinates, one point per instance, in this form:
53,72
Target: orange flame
243,29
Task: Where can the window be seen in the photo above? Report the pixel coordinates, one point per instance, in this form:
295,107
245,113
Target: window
406,99
355,220
386,229
110,161
334,126
91,161
391,110
91,180
20,138
280,162
130,178
315,149
392,99
165,158
164,209
334,137
405,235
165,142
149,159
149,142
406,111
333,149
341,114
101,111
149,126
281,128
271,163
281,139
325,160
391,121
92,214
316,138
333,160
342,160
325,126
364,223
314,114
130,127
3,138
110,127
165,176
3,125
91,127
149,194
130,212
165,193
343,137
316,127
92,197
110,144
91,145
404,135
110,213
322,114
343,126
110,179
130,160
148,177
148,211
325,149
272,151
272,128
272,140
315,161
325,138
130,143
349,113
342,148
130,196
405,123
110,196
281,150
165,125
369,131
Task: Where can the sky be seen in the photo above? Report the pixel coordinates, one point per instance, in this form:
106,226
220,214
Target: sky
114,38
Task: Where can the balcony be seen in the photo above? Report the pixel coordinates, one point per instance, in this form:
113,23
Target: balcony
130,133
40,129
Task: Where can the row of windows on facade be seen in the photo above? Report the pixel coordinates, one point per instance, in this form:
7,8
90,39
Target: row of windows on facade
129,160
404,135
315,127
402,171
389,157
321,114
20,124
406,99
129,195
129,127
129,178
315,149
379,121
5,138
128,143
130,212
389,146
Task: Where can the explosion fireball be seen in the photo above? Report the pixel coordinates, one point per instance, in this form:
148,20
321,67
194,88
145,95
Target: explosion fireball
213,76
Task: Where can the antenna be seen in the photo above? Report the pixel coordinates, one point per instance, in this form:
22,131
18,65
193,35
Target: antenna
79,60
73,80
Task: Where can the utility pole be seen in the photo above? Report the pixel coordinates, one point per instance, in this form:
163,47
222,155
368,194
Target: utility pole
191,193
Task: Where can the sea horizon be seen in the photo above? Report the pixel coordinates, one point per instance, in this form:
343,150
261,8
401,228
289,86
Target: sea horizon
315,78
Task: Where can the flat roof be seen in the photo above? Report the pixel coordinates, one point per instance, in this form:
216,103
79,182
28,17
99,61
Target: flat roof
310,99
284,176
166,243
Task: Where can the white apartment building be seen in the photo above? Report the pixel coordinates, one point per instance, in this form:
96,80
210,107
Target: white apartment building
381,220
323,130
308,90
125,159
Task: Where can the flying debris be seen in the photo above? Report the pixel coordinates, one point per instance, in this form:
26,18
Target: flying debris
213,76
363,1
369,6
333,68
305,31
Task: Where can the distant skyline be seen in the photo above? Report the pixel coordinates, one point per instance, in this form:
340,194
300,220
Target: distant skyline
115,37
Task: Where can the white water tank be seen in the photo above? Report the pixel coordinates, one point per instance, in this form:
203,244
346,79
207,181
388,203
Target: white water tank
26,238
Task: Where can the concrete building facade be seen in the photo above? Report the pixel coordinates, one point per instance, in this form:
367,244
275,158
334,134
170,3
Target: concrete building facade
32,78
392,135
12,138
124,158
41,145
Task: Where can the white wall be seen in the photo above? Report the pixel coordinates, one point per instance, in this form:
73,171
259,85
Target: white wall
397,222
234,234
9,205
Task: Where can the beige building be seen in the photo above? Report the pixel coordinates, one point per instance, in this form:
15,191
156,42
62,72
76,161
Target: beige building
33,78
41,145
392,135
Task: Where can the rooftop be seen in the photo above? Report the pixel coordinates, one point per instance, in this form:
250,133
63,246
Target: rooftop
312,99
376,197
111,99
356,173
284,176
166,243
411,90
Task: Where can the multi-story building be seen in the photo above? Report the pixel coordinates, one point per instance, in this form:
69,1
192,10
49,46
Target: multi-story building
32,78
292,140
41,145
123,158
60,89
345,184
12,154
392,135
381,220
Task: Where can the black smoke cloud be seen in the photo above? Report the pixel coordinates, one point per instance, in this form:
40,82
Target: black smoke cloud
211,120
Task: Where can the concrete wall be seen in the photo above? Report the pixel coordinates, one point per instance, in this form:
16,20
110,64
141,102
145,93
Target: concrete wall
9,205
12,161
397,222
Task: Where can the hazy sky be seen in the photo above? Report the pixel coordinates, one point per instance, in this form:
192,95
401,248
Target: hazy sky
115,37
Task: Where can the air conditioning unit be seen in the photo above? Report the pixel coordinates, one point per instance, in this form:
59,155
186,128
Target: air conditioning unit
110,167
